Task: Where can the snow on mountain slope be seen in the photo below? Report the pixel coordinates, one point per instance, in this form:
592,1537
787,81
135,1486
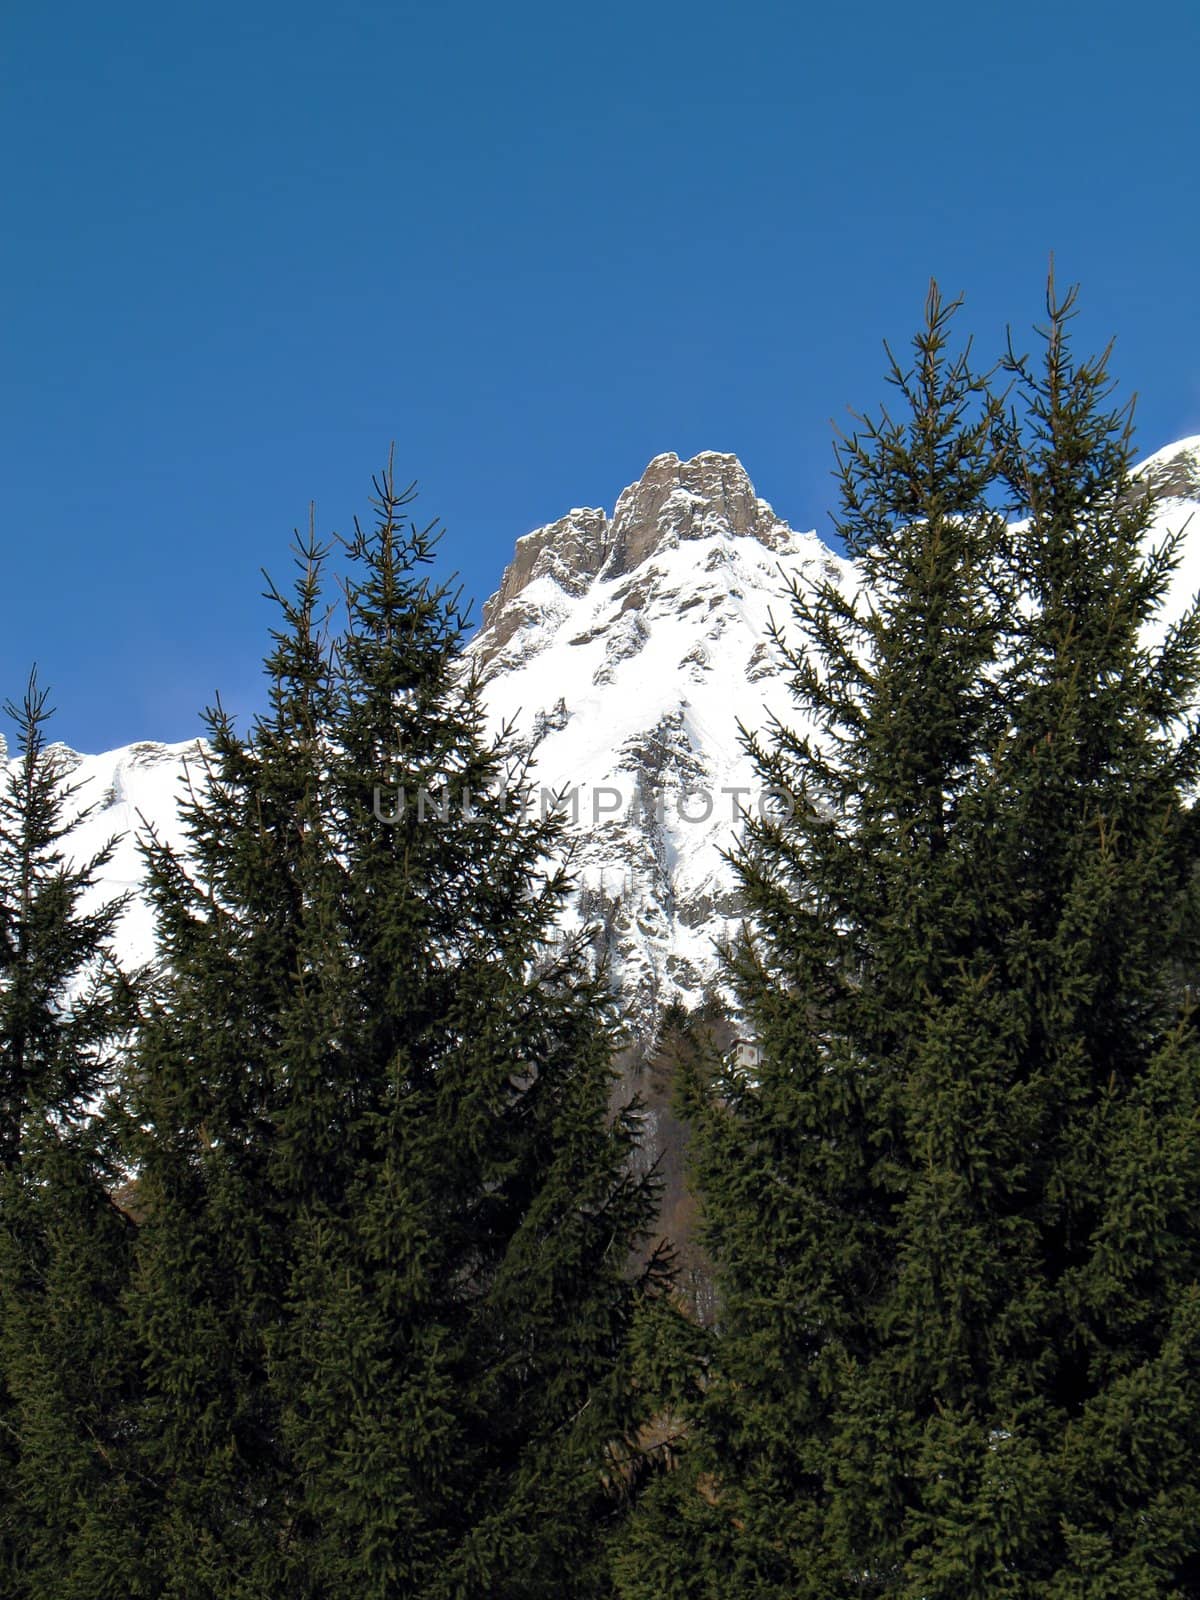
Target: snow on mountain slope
625,651
140,783
626,671
1174,475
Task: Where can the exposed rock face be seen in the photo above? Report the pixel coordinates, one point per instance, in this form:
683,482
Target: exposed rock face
676,500
569,552
672,501
1174,473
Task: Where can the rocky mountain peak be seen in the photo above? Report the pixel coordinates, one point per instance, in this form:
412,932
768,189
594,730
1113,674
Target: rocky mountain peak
673,500
676,500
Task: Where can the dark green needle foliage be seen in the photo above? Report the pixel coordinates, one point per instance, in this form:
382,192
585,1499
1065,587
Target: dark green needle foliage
956,1211
238,1033
384,1272
66,1365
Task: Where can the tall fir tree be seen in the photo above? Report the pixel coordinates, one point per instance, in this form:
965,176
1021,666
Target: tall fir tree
955,1212
229,1039
67,1369
384,1274
464,1304
1101,753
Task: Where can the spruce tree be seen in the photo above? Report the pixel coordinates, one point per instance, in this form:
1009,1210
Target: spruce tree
462,1307
230,1038
955,1211
384,1267
67,1369
1101,753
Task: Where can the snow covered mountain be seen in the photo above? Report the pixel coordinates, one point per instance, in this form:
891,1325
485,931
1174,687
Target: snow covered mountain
625,650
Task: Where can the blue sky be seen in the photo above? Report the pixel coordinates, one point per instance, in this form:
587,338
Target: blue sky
246,246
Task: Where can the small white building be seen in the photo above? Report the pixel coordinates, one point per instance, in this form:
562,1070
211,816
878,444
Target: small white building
747,1054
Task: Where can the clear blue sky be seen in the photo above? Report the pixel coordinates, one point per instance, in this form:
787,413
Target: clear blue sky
246,245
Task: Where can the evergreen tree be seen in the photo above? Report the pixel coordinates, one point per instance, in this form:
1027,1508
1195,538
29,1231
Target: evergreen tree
1102,748
230,1039
384,1274
66,1367
955,1212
